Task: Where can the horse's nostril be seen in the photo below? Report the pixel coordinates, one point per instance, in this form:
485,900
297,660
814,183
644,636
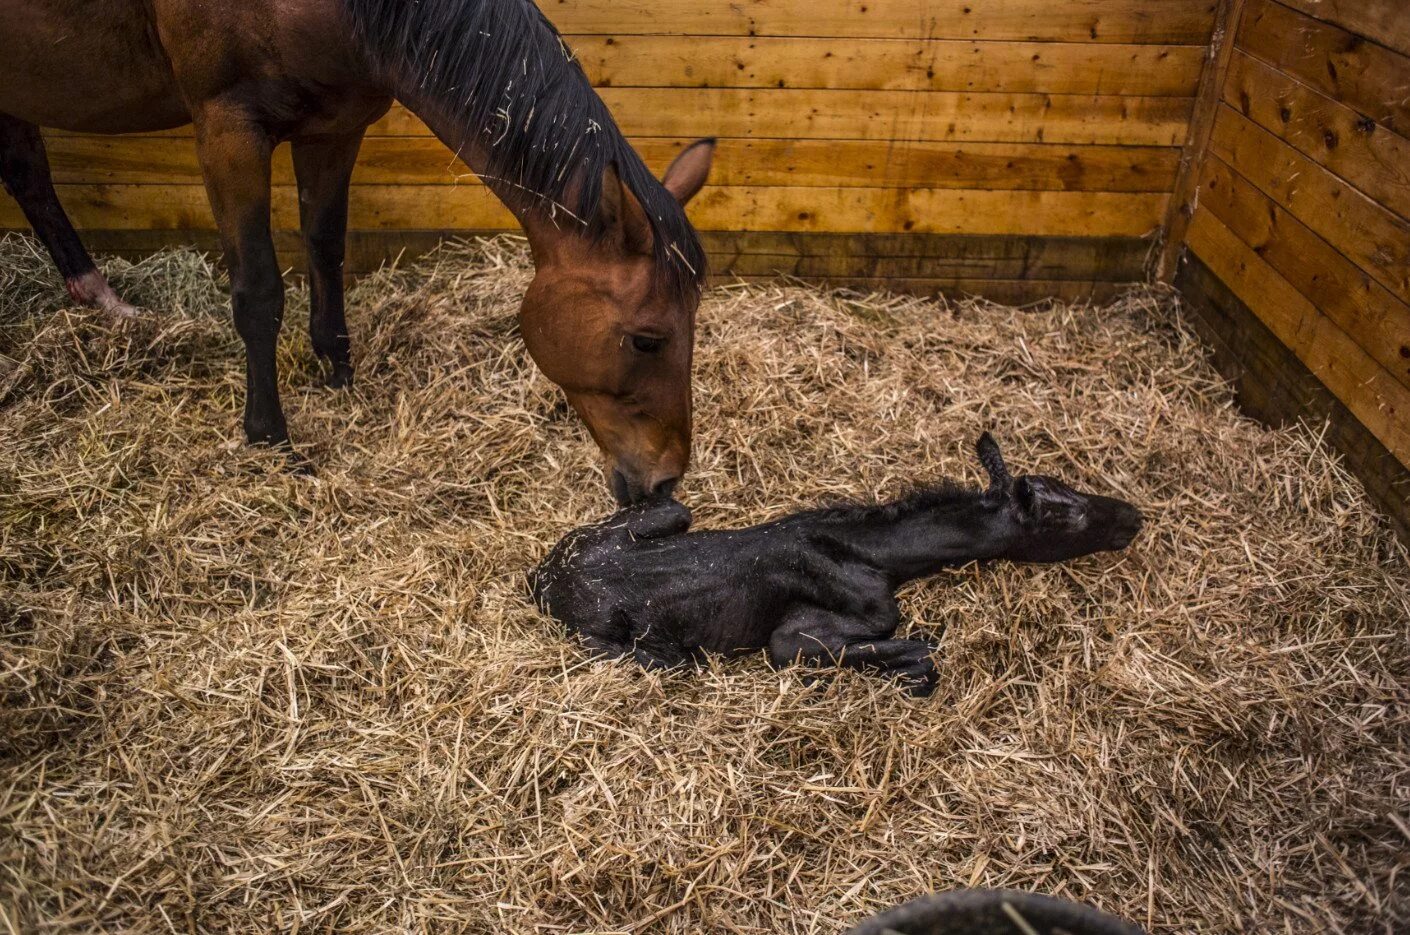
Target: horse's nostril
621,490
664,489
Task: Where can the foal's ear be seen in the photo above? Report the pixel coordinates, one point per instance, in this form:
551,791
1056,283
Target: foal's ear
690,169
621,213
993,462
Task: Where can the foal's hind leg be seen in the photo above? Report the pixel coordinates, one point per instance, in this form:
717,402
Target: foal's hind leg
24,168
323,166
819,637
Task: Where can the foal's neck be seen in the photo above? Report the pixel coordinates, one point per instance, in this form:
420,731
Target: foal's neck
925,533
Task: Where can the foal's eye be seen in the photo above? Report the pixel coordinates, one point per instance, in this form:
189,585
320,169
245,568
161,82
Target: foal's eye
646,345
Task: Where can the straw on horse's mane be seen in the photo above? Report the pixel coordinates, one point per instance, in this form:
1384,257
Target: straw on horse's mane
502,71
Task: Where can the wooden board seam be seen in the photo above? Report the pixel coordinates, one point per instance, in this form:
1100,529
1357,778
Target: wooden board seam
1180,211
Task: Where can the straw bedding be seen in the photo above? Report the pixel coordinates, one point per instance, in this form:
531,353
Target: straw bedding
239,700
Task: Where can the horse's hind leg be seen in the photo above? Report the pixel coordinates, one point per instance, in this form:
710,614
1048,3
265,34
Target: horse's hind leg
819,637
24,168
323,166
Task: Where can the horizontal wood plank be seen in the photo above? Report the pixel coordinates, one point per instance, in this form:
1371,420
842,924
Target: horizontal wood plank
1170,22
879,116
716,208
931,116
958,256
861,265
1112,259
1383,21
804,163
1376,398
1370,235
1005,291
1378,163
1369,78
889,65
1015,270
1362,307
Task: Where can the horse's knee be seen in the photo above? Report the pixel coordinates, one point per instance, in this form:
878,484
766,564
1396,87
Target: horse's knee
257,301
326,249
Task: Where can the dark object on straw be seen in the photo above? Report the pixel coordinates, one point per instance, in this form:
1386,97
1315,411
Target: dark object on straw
993,912
817,587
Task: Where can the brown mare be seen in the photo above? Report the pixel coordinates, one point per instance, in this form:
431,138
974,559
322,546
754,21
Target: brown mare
610,313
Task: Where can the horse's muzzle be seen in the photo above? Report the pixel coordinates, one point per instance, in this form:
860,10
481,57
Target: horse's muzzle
630,490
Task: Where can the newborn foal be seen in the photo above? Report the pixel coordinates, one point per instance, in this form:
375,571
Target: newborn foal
817,587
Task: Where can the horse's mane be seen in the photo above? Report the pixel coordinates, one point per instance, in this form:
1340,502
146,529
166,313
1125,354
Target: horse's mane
502,71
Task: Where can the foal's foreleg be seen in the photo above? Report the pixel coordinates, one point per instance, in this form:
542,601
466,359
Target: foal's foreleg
24,169
819,637
235,161
323,166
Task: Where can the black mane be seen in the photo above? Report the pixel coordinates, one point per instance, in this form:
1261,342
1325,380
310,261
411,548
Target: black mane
502,71
937,496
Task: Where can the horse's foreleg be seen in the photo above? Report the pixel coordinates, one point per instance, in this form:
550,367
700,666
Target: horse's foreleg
323,166
24,168
813,636
235,161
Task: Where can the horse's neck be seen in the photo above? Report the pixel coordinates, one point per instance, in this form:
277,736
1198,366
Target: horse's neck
532,211
493,80
923,541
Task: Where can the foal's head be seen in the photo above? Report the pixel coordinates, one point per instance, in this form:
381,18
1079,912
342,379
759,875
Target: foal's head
1052,521
607,321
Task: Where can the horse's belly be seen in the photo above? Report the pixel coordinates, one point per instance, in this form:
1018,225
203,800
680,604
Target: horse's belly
91,66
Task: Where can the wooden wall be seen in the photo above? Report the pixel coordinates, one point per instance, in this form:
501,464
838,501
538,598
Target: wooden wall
1300,216
1019,148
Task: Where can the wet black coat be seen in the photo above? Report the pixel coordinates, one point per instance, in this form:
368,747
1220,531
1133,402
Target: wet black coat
818,586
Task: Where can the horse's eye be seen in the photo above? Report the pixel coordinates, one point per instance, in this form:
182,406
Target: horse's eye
646,345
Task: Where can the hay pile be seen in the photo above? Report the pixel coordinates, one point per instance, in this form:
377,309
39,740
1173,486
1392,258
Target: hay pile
237,700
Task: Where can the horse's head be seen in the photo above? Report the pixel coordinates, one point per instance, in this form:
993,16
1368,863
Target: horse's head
602,323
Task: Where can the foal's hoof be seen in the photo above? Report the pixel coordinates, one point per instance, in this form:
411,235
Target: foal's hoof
340,377
918,687
918,679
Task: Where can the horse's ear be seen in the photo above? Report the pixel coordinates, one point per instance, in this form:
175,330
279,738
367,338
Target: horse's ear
689,170
622,214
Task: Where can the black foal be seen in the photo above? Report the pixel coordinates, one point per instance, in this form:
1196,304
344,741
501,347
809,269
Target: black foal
816,587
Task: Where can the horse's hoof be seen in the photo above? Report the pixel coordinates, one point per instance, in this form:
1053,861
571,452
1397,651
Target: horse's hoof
92,289
294,461
299,466
116,308
122,311
340,377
